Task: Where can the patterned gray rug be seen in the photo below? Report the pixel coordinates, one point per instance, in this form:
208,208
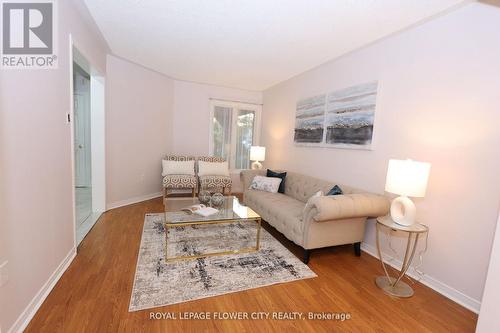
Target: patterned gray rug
158,284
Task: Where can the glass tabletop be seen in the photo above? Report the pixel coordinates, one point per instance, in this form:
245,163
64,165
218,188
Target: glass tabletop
388,222
231,209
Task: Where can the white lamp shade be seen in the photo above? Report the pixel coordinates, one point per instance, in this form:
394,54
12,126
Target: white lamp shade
407,177
257,153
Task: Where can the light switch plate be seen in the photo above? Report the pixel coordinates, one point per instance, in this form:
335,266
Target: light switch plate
4,273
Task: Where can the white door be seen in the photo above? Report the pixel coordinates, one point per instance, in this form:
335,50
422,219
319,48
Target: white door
83,177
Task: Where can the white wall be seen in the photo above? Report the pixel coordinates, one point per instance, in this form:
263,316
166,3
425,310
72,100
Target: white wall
36,191
149,115
192,113
438,102
36,185
192,116
139,109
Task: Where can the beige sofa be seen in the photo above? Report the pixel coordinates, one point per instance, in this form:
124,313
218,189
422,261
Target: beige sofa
325,221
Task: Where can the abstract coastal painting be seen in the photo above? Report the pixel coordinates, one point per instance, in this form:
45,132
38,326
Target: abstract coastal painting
340,119
310,120
349,116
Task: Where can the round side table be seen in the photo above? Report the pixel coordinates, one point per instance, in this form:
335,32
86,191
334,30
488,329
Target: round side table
393,285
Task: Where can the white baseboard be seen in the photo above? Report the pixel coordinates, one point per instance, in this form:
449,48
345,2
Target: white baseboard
28,313
442,288
133,200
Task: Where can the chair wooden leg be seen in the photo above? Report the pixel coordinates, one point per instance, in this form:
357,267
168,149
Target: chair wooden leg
194,192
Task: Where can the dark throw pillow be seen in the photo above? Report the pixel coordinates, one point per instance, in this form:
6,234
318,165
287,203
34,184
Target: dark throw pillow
282,175
336,190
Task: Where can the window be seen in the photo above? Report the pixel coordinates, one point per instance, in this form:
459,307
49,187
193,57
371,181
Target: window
233,130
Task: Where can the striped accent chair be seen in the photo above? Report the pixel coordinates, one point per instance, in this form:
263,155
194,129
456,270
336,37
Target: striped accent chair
214,183
178,182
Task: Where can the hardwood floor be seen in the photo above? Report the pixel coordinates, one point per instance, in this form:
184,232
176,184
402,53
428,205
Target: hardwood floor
94,293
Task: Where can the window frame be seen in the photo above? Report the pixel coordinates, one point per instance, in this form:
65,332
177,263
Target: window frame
235,106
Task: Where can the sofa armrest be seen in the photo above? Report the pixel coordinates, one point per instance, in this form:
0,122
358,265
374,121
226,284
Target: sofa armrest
246,177
337,207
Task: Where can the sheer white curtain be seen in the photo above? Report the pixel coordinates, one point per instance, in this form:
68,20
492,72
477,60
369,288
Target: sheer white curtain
244,138
222,123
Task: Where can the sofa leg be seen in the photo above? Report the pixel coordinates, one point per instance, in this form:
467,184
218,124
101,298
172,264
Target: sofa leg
307,254
357,249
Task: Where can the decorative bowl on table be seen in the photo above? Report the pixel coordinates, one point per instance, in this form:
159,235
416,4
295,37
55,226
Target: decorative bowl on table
217,199
204,197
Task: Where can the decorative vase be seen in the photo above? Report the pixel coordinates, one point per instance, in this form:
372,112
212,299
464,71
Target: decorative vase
204,197
217,199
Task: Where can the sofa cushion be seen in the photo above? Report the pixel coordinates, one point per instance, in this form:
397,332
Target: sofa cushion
336,190
267,184
177,167
308,203
280,175
213,168
281,211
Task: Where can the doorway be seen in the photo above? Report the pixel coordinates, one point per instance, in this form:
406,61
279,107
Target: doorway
82,147
87,119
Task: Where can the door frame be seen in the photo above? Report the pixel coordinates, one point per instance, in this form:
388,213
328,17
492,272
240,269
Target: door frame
98,126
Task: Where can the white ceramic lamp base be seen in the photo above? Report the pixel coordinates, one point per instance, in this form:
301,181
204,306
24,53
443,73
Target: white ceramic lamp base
403,211
256,165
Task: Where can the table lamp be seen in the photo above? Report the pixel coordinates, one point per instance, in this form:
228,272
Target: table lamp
408,179
257,154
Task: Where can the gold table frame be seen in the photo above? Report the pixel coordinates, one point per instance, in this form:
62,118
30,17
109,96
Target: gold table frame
393,285
256,218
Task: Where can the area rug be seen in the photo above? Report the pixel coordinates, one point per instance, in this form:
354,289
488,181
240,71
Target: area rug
158,283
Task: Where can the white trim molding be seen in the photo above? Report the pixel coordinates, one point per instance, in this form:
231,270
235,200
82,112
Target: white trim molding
29,312
433,283
133,200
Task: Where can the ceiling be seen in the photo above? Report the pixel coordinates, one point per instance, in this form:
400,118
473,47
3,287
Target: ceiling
249,44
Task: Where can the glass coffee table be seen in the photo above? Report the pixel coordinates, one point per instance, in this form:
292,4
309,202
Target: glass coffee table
231,211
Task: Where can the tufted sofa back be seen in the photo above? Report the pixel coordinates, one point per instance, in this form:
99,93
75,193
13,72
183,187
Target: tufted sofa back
302,187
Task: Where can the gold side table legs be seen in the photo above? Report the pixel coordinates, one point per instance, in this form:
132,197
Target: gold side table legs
393,285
